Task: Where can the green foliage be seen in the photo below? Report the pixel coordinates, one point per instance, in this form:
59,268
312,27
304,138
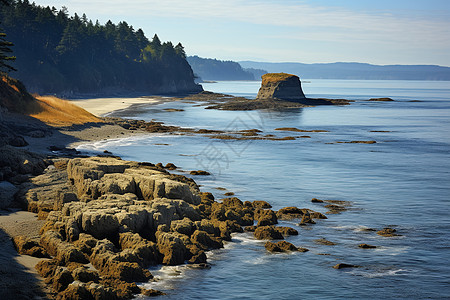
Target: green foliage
83,56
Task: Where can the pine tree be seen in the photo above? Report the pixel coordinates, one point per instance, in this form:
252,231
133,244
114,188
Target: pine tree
5,49
179,50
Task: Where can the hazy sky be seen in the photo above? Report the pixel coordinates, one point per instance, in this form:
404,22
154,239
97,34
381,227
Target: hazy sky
309,31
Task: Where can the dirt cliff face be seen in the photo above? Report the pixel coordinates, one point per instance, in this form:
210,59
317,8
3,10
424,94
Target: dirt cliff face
280,86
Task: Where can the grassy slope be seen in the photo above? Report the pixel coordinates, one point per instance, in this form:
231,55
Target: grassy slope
55,111
50,110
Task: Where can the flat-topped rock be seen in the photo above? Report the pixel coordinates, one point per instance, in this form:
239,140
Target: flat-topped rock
281,86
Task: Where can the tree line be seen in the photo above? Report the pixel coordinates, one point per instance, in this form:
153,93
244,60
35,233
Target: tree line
57,53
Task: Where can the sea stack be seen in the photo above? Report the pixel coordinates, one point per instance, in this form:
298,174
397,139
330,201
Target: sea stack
280,86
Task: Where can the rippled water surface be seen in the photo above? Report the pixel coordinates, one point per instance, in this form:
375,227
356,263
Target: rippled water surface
403,180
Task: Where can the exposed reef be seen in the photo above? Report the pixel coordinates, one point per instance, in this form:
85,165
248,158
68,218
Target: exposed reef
228,102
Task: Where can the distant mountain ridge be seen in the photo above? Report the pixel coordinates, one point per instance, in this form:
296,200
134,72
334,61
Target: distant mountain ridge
351,70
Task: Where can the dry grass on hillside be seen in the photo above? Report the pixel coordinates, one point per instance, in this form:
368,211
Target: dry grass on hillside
275,77
55,111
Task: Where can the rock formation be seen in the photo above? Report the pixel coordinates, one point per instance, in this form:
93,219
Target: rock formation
120,217
280,86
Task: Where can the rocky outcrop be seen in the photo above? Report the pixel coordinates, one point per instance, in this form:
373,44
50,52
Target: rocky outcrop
98,176
108,220
280,86
122,216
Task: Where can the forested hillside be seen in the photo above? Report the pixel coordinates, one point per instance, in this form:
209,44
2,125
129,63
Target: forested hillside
213,69
58,53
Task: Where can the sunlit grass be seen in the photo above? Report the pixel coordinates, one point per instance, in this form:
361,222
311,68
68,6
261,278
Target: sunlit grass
55,111
274,77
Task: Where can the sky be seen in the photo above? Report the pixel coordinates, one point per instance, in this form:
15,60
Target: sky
383,32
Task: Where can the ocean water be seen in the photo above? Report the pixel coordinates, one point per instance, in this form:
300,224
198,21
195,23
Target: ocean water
402,181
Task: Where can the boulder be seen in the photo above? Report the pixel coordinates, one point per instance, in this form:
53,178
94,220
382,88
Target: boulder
261,204
63,251
19,161
366,246
7,191
344,265
205,240
46,268
145,251
286,231
199,172
290,212
325,242
85,275
151,292
18,141
27,246
280,86
265,217
61,279
307,219
282,246
122,289
172,247
184,226
127,271
388,232
267,233
76,291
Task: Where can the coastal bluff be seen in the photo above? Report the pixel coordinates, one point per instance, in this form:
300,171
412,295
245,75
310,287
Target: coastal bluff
281,86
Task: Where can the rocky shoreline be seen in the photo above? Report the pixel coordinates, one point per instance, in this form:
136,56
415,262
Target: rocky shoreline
103,221
122,216
107,220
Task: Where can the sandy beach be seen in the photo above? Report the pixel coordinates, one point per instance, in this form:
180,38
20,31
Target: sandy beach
102,106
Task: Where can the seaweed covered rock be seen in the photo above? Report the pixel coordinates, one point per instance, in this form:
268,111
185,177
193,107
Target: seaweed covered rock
27,246
267,233
283,246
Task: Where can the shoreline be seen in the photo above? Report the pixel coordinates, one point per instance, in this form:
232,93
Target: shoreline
16,222
243,215
101,107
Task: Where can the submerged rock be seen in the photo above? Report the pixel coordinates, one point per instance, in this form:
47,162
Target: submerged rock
283,246
366,246
344,265
388,232
199,172
325,242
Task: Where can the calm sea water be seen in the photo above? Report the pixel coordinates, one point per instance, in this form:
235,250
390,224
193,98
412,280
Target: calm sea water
402,181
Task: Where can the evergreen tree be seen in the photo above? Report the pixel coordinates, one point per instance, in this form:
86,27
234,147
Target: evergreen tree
57,52
179,50
5,58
